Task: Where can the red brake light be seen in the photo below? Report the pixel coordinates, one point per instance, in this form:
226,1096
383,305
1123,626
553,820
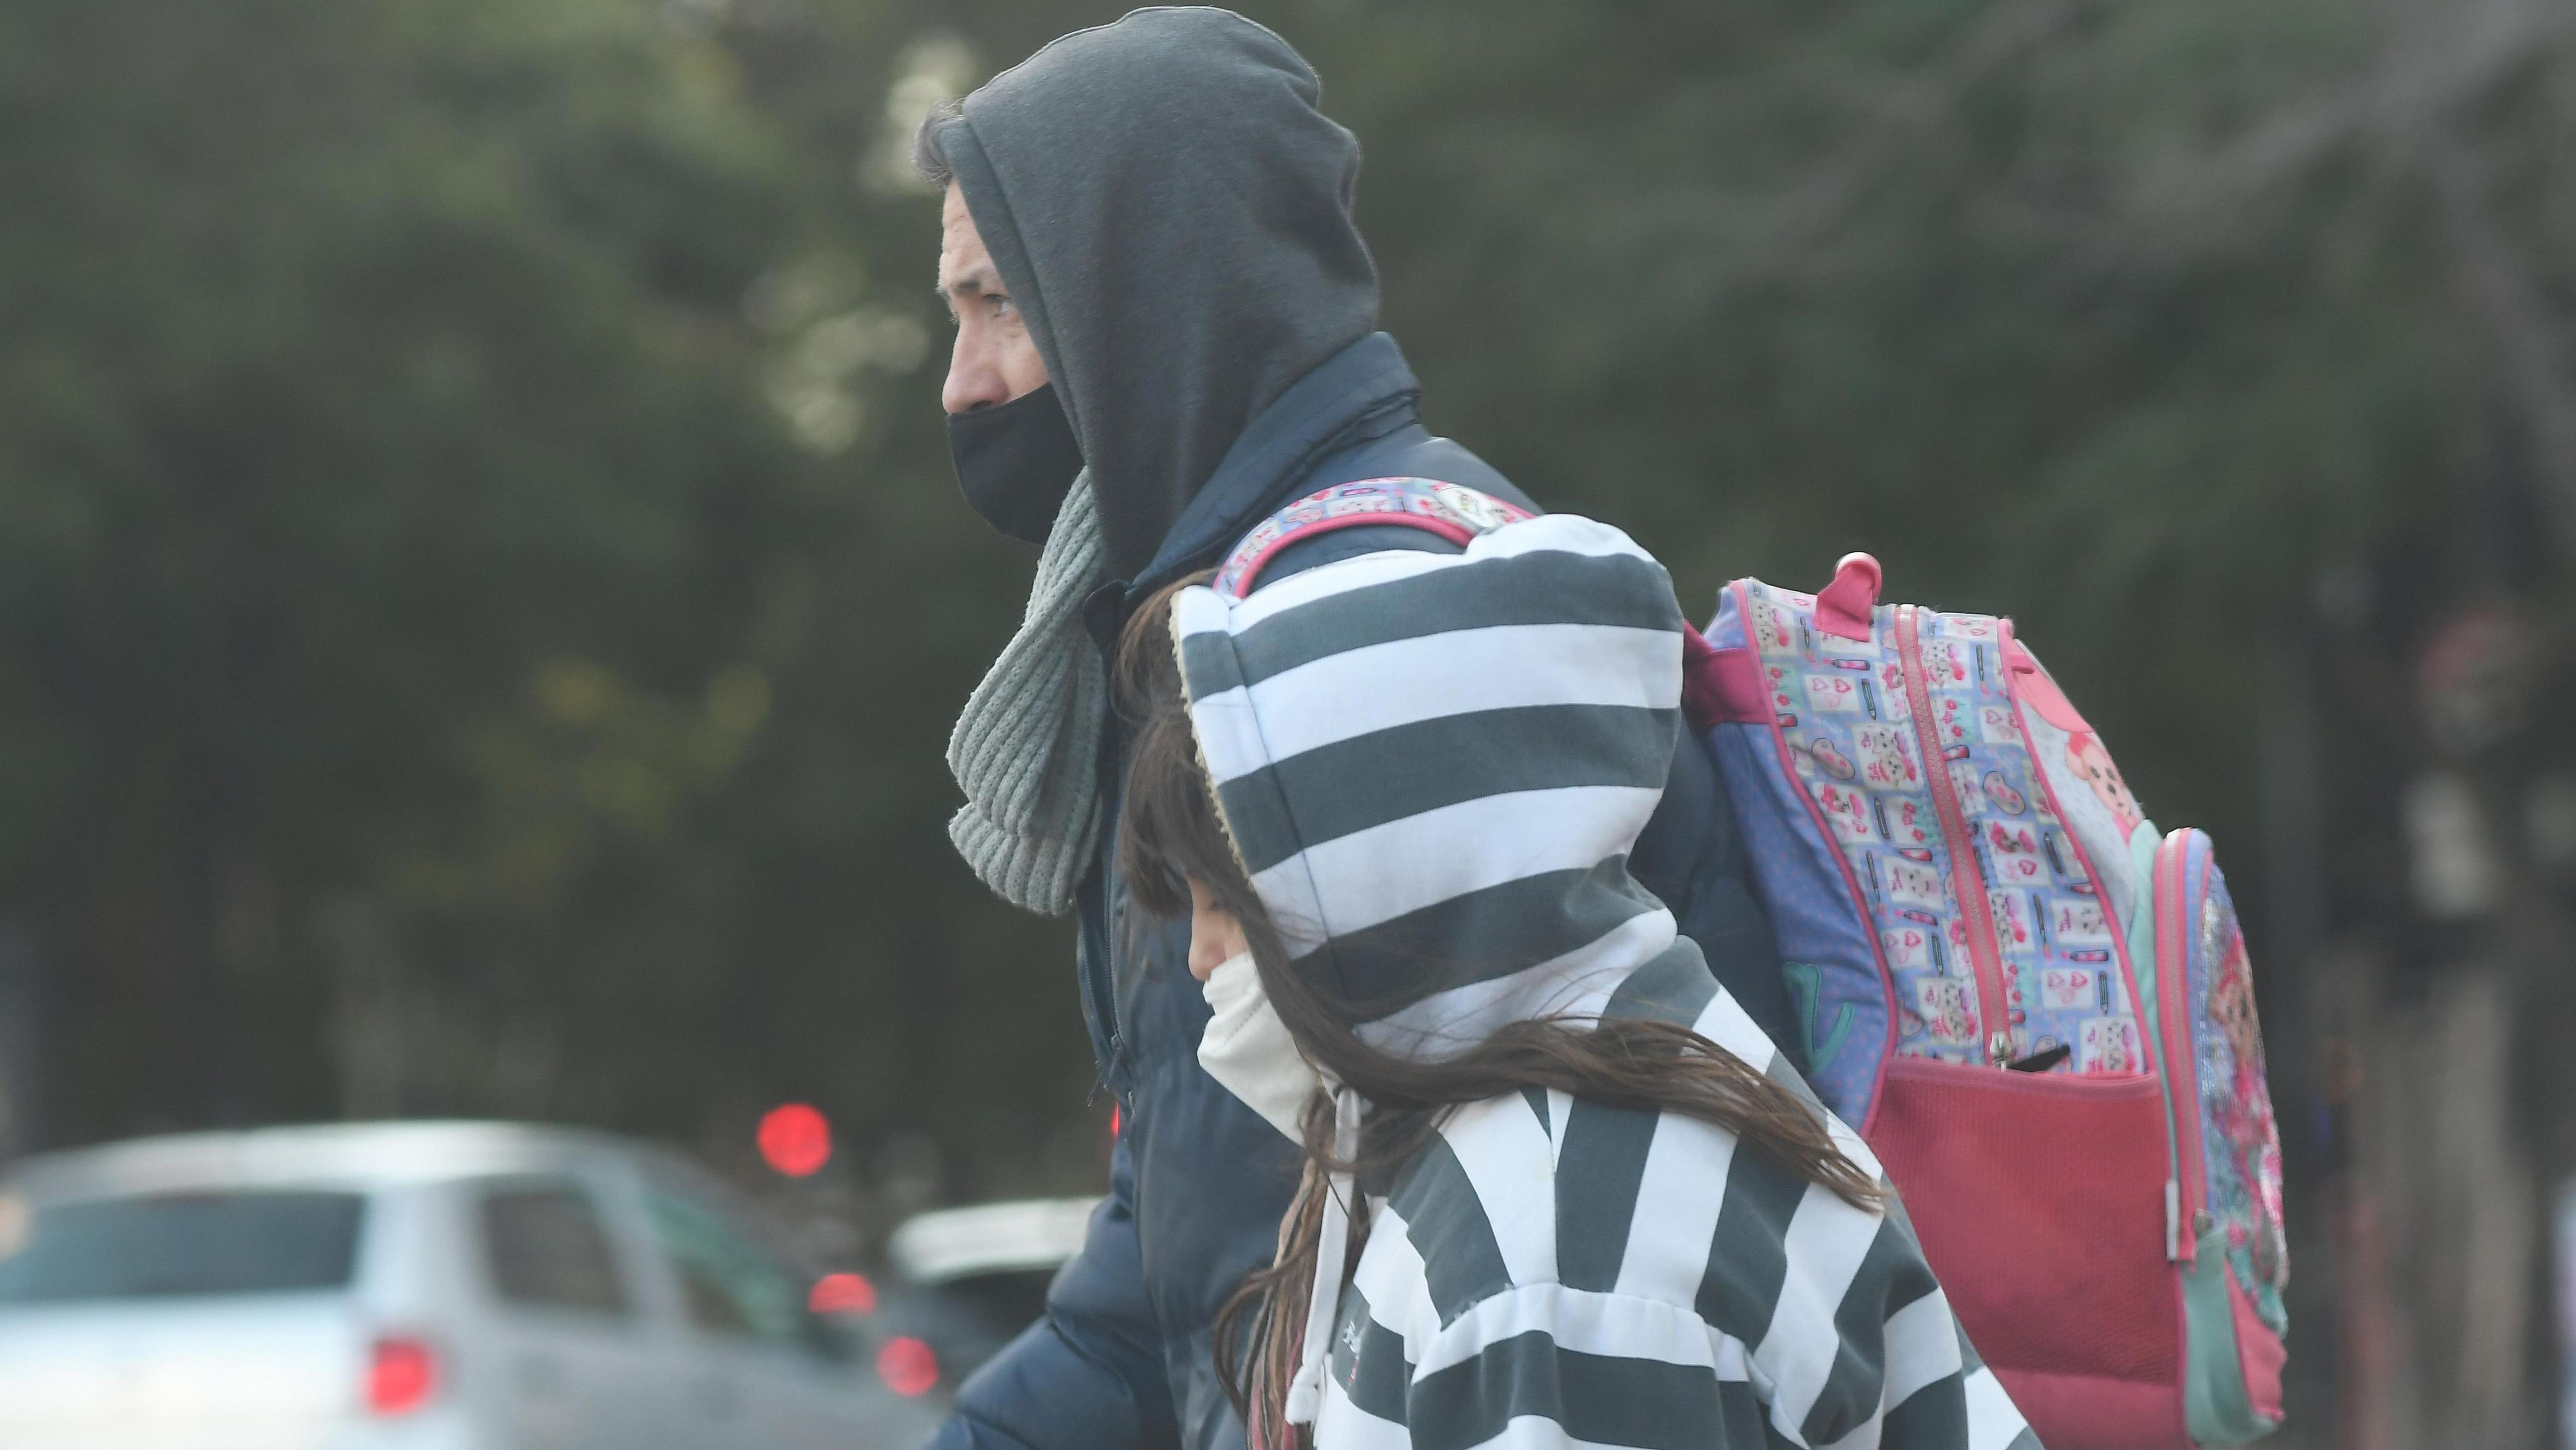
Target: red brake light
842,1294
402,1376
795,1139
907,1366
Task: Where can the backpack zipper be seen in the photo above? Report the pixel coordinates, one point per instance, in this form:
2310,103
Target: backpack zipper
1967,875
2187,1194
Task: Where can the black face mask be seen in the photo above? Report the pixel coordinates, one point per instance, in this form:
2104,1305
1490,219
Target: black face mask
1016,461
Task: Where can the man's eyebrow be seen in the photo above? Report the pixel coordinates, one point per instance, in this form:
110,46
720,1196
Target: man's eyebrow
978,282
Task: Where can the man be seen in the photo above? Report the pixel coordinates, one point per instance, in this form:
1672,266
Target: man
1148,244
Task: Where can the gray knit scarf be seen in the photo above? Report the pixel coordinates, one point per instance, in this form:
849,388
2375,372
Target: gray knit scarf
1026,747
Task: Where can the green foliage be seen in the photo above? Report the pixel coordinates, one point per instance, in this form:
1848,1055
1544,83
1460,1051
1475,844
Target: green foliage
436,679
484,598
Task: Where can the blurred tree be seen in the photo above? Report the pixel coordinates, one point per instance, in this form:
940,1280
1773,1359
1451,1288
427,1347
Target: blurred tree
458,657
359,363
483,597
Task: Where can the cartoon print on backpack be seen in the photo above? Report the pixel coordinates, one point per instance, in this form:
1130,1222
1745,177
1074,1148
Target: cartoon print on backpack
1856,755
1783,703
1915,885
2232,1089
1770,627
2092,764
2109,1044
1952,713
1963,784
1909,823
2079,921
1885,763
2012,921
2000,794
1834,694
2068,989
1945,662
1944,1002
2012,853
1894,702
1848,810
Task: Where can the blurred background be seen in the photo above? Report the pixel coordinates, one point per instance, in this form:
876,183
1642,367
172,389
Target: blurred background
483,593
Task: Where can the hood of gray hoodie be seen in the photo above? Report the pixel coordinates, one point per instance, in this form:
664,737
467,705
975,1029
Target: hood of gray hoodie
1172,214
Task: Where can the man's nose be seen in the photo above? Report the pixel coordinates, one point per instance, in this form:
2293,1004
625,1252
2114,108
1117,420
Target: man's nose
974,375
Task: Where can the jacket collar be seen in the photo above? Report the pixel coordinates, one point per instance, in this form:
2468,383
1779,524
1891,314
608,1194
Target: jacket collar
1362,383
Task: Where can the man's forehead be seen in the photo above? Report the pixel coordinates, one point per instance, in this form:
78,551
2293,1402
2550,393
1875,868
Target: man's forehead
961,247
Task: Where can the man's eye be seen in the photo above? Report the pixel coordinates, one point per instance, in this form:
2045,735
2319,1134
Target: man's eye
1002,306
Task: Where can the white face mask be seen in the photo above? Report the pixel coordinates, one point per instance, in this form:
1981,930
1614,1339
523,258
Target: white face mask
1248,1049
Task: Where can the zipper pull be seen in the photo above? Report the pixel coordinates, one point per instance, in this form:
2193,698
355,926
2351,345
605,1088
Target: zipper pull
2173,1221
1105,1071
1999,1049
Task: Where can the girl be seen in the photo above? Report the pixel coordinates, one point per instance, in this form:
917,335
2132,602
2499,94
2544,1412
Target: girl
1558,1188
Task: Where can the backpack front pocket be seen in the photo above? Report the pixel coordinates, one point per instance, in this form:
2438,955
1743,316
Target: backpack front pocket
2040,1202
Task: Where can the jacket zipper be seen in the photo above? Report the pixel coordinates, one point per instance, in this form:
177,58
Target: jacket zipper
1098,967
1094,967
2182,1077
1968,877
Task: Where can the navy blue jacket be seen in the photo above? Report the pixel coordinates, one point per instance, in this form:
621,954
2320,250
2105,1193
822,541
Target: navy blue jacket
1198,1182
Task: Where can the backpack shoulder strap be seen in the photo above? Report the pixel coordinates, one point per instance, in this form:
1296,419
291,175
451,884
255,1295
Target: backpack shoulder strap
1453,511
1711,687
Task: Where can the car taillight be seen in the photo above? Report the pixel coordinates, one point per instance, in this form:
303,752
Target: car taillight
907,1366
402,1375
842,1294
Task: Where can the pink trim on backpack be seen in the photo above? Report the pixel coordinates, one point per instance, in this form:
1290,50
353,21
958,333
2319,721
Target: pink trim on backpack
2032,683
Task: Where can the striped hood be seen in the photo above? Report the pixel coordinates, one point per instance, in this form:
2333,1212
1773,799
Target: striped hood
1434,767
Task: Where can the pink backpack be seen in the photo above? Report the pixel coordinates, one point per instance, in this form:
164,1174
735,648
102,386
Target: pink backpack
2037,1010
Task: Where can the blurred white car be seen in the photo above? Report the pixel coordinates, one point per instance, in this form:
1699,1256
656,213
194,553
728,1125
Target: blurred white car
971,1279
436,1286
991,1240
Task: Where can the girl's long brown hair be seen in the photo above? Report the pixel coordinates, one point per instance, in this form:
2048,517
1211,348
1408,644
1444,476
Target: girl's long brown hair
1172,834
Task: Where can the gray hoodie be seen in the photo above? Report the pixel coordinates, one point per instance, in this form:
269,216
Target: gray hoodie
1173,216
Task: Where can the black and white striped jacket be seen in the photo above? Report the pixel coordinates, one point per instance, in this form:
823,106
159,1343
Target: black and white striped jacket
1434,767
